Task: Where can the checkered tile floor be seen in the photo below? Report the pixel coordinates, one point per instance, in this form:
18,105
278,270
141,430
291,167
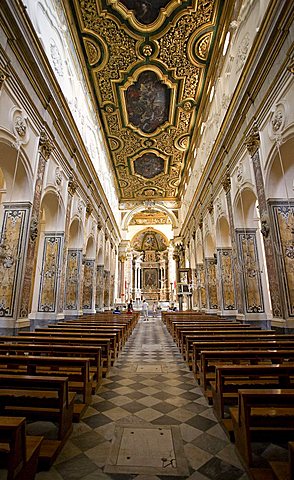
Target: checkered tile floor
170,397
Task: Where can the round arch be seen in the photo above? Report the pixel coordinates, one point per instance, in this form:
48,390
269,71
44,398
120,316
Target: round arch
140,208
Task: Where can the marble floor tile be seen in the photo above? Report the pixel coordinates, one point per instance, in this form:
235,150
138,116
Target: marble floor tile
161,392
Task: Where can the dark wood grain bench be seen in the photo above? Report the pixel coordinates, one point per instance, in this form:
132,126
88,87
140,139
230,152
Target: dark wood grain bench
44,398
93,353
103,343
262,415
242,344
75,368
220,334
19,452
230,378
210,359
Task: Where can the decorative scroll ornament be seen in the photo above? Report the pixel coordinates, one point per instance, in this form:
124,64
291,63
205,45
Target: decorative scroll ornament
226,182
34,229
45,145
89,208
58,176
210,206
265,228
20,126
252,140
72,185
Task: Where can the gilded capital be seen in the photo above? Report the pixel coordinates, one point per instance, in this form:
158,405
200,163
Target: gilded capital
226,182
72,185
45,145
252,141
89,208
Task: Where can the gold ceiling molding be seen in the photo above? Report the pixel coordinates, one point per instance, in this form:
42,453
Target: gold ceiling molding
148,66
129,15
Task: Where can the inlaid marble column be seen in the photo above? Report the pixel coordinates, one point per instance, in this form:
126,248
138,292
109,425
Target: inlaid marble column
235,266
72,186
45,149
276,292
88,298
210,268
107,289
12,247
203,271
227,286
100,288
122,293
72,284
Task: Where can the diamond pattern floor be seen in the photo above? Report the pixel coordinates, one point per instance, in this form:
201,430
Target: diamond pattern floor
168,397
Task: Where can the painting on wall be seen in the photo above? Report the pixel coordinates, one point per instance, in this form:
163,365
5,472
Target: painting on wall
145,11
149,240
150,278
147,102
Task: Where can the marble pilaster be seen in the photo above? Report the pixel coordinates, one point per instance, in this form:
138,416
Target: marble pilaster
276,290
45,149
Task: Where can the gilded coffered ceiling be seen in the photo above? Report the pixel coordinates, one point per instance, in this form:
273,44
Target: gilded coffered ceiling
147,61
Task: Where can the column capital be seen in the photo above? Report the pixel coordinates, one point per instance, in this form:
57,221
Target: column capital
226,182
45,145
252,141
72,185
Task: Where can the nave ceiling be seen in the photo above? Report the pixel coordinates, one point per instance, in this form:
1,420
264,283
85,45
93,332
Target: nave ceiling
149,63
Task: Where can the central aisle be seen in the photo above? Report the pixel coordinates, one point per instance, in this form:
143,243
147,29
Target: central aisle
149,385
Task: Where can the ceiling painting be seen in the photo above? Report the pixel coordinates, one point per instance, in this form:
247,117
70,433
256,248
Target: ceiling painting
147,61
145,11
147,102
149,165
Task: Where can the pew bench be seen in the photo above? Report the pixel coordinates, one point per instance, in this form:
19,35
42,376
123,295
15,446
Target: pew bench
231,378
93,341
262,415
40,398
219,334
211,359
90,352
254,344
76,369
19,452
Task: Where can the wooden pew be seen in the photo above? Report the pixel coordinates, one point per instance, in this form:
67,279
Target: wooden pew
93,353
112,338
19,452
262,415
211,359
119,331
230,378
242,344
284,470
234,335
220,334
40,398
76,369
104,343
